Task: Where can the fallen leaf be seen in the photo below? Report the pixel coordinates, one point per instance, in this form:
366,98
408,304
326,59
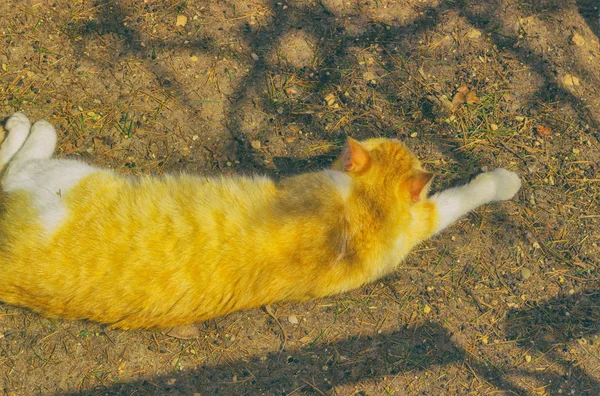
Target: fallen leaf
458,99
330,99
181,20
543,130
464,94
291,91
474,34
578,39
463,89
471,97
570,80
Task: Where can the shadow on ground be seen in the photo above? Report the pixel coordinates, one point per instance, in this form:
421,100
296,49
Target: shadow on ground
318,369
541,330
420,351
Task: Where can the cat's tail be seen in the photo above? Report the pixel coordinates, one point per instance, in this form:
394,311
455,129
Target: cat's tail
18,127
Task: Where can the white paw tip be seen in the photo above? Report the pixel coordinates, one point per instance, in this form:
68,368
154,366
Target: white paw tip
507,183
16,120
42,124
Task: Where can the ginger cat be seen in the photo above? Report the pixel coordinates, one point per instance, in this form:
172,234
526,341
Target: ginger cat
81,242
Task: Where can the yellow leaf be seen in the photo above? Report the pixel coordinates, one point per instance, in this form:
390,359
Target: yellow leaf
181,20
471,97
458,99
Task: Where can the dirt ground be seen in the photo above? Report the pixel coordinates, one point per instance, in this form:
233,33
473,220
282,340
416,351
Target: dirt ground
506,301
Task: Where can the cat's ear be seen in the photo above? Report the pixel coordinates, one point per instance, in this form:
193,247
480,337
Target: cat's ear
418,181
355,157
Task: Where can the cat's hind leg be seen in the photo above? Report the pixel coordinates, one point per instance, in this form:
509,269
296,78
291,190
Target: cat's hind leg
452,204
40,143
46,179
18,127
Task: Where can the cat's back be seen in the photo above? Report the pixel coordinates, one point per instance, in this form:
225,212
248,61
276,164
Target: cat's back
135,244
159,211
108,194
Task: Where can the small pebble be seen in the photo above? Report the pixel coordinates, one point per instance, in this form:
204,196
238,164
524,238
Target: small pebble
293,319
525,273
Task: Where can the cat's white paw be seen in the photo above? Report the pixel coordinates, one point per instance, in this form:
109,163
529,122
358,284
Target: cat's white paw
43,124
501,183
17,120
507,184
41,142
42,129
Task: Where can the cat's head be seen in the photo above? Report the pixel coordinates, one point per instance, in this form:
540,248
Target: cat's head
387,165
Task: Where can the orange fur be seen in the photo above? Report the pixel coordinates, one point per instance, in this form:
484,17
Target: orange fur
160,252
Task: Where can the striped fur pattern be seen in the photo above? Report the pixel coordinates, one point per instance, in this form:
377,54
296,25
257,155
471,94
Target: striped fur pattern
81,242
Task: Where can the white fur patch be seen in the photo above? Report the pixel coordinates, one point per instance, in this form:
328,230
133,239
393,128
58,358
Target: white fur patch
40,143
341,181
48,180
27,151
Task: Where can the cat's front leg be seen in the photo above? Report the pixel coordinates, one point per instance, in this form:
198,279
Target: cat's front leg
452,204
